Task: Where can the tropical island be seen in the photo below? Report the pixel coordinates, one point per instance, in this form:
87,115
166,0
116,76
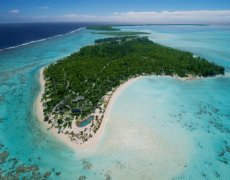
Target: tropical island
102,28
122,33
79,87
111,31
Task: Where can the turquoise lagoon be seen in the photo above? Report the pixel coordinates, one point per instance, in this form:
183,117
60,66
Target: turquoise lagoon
159,127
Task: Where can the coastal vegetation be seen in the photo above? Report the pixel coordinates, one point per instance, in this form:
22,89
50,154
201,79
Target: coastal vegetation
102,28
122,33
78,87
111,31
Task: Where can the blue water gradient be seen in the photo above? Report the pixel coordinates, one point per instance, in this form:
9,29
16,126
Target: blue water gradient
21,132
159,127
14,34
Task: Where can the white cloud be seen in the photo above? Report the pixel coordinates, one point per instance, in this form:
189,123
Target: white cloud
201,16
196,16
44,7
14,11
144,17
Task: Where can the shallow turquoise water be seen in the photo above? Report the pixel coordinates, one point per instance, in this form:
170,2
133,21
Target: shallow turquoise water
21,132
190,121
159,128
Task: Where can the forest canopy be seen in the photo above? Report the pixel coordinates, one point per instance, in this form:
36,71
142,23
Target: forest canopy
98,69
102,28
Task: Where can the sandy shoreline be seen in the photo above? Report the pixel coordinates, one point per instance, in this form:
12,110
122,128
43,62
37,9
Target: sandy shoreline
96,137
38,106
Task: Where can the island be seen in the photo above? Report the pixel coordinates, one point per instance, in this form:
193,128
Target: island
78,88
102,28
122,33
111,31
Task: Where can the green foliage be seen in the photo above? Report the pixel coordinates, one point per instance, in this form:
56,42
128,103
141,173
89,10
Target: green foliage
102,28
96,70
115,39
122,33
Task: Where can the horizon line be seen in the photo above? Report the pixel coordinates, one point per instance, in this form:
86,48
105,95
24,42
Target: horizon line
113,23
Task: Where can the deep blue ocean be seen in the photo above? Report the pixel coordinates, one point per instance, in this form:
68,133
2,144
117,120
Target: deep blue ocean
15,34
158,128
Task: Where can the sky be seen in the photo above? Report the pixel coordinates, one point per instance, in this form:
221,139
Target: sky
116,11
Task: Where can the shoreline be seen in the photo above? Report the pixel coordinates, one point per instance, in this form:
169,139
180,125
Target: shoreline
40,40
38,106
94,140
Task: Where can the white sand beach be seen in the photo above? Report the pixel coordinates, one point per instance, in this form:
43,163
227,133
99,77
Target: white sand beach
39,112
64,138
93,141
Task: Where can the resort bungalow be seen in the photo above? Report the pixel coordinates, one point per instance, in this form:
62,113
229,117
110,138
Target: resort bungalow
76,111
67,107
79,98
60,105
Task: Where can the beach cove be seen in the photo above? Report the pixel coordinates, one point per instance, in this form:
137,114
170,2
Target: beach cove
110,99
77,89
64,138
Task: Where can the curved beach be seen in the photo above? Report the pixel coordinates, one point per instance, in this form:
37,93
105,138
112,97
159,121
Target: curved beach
93,141
62,137
78,92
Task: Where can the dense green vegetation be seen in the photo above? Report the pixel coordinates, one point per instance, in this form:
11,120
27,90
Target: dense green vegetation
115,39
102,28
121,33
109,30
96,70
